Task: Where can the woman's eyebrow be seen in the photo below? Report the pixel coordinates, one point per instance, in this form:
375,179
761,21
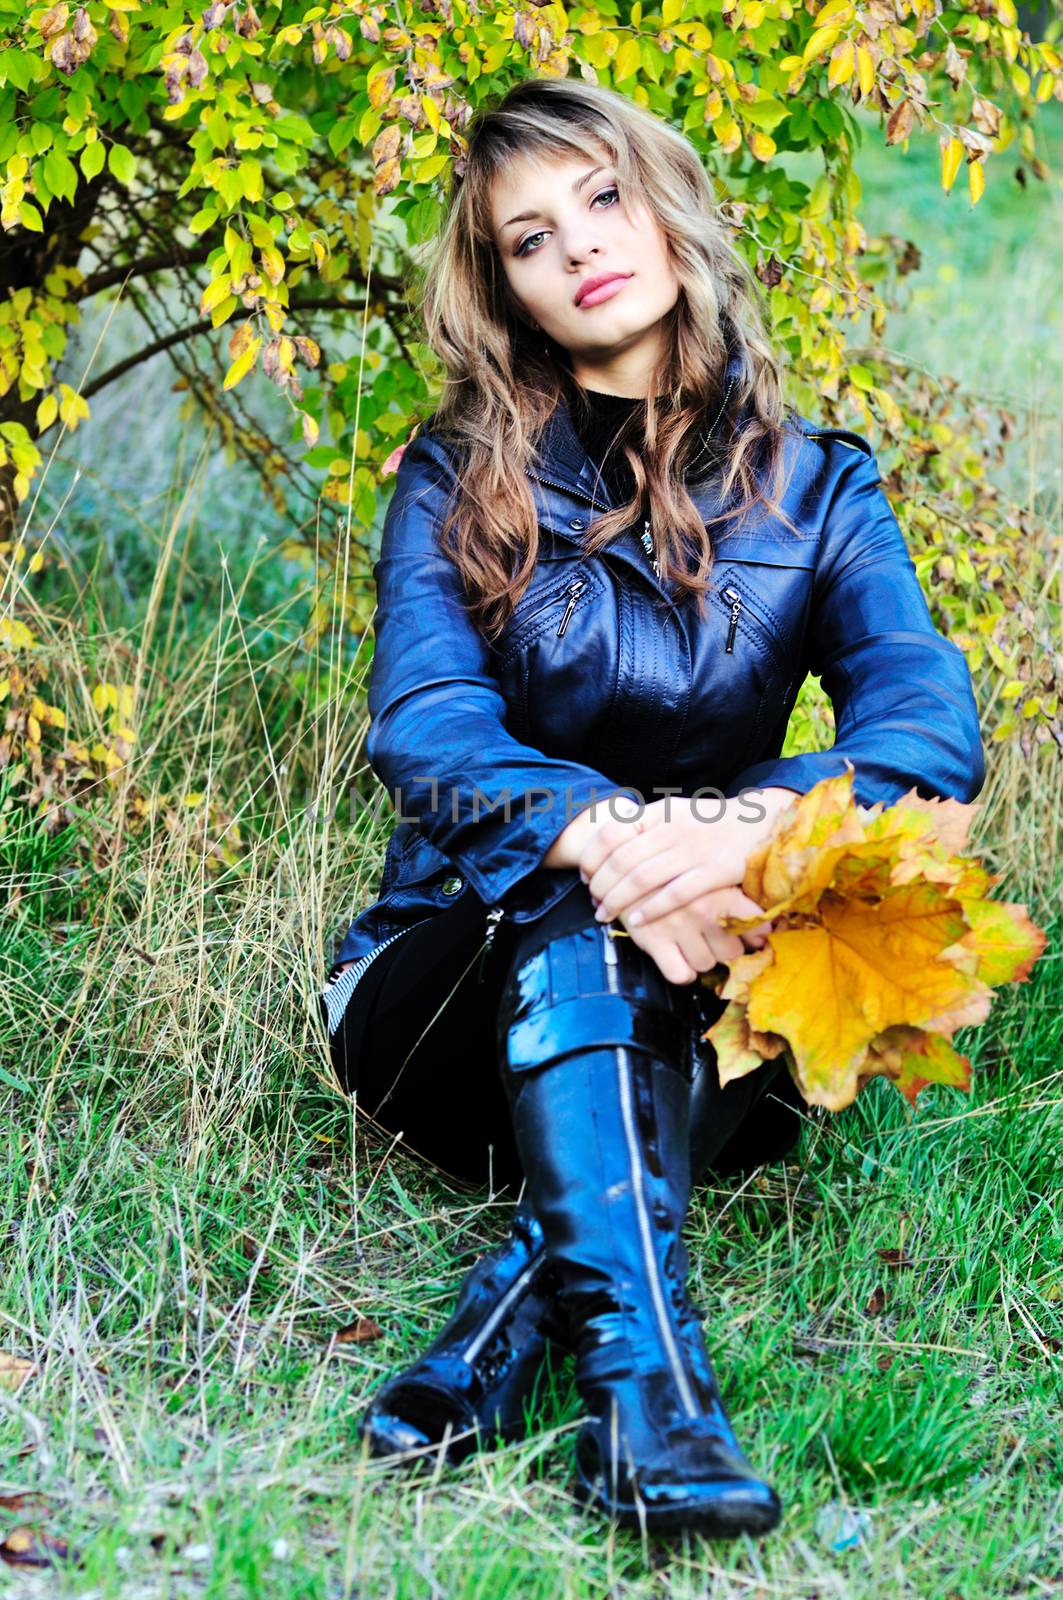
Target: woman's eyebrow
528,216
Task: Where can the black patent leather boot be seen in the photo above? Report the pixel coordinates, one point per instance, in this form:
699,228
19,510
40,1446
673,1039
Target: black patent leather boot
595,1053
476,1380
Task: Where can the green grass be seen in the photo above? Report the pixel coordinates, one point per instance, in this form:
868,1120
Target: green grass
178,1272
191,1211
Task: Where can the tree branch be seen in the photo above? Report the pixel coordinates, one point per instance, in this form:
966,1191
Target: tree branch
204,325
177,256
166,342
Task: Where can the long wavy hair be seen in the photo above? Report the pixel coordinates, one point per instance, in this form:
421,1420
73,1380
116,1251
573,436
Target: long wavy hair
503,378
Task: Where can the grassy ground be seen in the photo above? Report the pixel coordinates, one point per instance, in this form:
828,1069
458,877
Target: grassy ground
191,1216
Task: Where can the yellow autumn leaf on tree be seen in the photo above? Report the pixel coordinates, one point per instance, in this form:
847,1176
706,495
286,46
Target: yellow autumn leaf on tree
951,156
762,145
627,60
842,64
819,42
883,944
242,365
215,292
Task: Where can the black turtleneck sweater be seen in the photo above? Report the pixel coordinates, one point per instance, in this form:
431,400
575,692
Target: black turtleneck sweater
596,418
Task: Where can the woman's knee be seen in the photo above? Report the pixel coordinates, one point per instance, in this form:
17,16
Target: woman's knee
574,983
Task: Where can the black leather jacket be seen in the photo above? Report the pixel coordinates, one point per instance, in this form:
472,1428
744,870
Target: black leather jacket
601,684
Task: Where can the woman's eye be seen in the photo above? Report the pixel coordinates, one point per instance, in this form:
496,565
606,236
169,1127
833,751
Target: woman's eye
523,249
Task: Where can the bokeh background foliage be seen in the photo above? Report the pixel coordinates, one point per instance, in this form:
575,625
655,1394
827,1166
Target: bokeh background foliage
208,1258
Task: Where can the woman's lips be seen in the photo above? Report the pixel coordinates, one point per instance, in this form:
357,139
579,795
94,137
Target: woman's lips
606,292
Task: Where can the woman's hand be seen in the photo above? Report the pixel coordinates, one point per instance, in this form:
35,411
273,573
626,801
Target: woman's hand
690,940
679,850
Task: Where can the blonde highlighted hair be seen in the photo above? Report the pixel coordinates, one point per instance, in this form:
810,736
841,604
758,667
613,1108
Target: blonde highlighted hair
503,379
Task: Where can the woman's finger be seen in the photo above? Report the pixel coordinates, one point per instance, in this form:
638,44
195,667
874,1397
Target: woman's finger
625,821
668,955
638,868
694,881
727,947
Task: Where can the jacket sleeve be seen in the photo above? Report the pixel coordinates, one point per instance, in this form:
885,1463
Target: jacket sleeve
437,737
904,708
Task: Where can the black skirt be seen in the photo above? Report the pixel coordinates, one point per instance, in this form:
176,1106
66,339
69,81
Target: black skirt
416,1045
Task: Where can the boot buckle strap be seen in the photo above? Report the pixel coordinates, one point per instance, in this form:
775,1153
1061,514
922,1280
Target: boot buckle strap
588,1022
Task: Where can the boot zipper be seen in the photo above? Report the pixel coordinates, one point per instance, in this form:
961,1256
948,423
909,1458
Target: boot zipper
494,917
502,1309
638,1193
736,606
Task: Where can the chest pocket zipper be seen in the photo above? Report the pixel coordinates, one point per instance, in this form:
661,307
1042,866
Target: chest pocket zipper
736,603
571,593
575,589
736,607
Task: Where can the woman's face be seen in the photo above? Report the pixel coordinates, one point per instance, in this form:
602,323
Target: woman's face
559,225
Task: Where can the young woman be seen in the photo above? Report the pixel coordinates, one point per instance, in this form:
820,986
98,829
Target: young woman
612,556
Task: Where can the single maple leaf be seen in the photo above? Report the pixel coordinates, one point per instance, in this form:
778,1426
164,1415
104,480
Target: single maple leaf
740,1048
738,978
1003,940
360,1331
913,1058
951,818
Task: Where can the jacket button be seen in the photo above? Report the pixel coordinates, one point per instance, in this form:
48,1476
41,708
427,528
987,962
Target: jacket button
452,885
576,523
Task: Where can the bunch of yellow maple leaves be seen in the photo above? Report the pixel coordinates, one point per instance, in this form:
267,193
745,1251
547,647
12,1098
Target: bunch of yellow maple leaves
884,942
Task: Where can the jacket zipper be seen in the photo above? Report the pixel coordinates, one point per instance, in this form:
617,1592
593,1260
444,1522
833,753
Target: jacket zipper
573,590
732,596
494,917
647,540
568,488
736,606
348,980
